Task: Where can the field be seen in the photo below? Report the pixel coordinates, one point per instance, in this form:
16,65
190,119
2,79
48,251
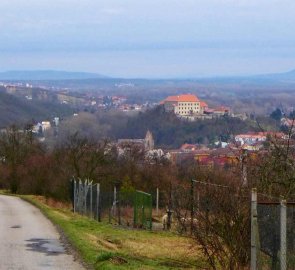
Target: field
105,246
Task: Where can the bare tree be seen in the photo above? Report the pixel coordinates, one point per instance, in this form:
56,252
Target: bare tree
215,212
15,146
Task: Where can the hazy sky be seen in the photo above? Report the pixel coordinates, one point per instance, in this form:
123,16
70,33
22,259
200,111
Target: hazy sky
149,38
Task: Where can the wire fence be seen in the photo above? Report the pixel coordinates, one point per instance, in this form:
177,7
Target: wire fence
204,200
126,208
266,226
272,233
216,215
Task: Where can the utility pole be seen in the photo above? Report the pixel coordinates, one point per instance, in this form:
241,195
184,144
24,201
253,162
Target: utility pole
283,238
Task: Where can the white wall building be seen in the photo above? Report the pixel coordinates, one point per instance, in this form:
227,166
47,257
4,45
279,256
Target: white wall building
184,105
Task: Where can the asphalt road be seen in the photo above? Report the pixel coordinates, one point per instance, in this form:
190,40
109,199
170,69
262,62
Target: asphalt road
28,240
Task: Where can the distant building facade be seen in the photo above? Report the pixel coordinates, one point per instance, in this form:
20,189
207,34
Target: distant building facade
252,138
184,105
190,107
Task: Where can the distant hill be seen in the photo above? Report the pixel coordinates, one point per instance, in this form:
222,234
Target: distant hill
14,110
25,75
67,77
286,76
284,79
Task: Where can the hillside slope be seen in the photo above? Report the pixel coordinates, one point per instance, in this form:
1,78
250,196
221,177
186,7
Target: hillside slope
14,110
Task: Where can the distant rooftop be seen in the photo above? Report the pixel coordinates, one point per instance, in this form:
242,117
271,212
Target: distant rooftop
182,98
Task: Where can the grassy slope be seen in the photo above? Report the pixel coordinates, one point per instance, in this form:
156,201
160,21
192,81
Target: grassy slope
108,247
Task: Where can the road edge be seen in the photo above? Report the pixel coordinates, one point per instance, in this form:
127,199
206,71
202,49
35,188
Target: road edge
68,245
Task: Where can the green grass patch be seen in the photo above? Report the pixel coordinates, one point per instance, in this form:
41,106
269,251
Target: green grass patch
104,246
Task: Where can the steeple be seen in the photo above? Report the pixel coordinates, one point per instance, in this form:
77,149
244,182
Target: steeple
149,143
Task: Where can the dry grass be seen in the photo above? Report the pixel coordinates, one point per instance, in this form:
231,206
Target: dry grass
167,247
111,247
53,203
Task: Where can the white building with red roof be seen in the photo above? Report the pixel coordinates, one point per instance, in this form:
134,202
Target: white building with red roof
290,123
252,138
184,105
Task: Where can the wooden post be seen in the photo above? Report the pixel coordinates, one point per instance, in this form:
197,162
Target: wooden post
283,235
253,229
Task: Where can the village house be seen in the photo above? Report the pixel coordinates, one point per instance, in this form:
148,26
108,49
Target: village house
253,138
289,124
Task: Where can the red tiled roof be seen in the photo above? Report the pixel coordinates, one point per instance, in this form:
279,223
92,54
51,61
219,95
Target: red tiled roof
261,134
222,109
187,146
203,104
243,136
182,98
209,110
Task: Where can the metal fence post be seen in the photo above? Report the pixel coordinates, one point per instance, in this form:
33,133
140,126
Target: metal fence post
192,205
74,194
283,235
80,196
97,202
85,197
91,212
157,202
115,201
253,229
135,209
119,205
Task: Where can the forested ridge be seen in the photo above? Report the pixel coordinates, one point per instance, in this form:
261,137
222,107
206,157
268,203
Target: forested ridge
168,130
14,110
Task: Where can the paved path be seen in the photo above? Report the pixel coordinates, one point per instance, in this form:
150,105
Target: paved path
28,240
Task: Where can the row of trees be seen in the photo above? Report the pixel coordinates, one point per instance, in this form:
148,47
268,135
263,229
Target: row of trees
27,166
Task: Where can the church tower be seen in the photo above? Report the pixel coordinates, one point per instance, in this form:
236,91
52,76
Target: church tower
149,143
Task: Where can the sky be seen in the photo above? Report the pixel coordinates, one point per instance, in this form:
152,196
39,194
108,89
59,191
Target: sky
149,38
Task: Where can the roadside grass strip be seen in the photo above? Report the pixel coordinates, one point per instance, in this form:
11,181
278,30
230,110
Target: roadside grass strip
105,246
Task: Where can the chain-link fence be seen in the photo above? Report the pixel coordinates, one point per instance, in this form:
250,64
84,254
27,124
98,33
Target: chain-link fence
126,208
272,233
